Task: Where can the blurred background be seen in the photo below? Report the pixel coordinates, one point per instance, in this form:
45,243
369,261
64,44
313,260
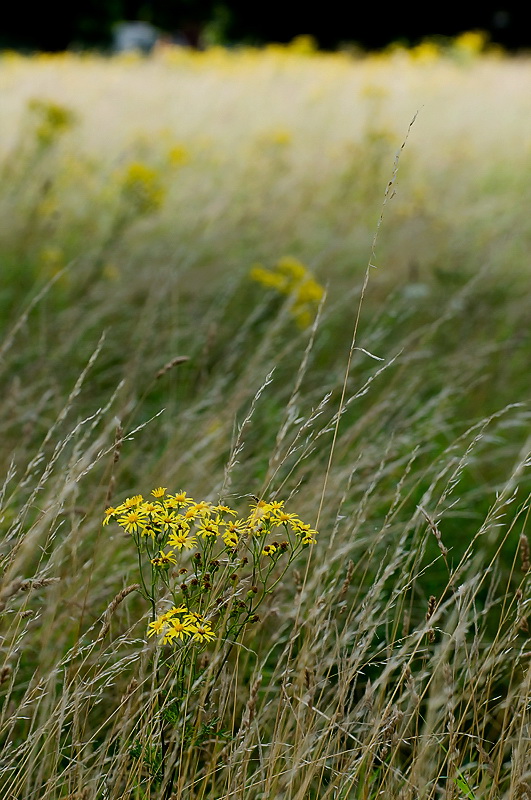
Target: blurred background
199,23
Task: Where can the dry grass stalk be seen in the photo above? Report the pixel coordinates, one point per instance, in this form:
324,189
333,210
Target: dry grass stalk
37,583
118,441
175,362
432,605
113,605
250,707
5,673
346,583
435,530
8,591
524,553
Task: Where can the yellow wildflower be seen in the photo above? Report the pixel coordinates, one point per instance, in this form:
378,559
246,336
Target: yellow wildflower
201,508
167,520
109,512
203,633
132,520
172,612
157,627
283,518
194,618
209,527
304,530
260,512
177,630
177,500
163,559
224,510
181,540
130,502
151,508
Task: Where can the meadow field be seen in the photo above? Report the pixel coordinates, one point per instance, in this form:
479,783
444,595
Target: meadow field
264,360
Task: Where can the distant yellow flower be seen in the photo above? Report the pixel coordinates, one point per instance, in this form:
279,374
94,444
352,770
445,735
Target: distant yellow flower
309,292
160,492
142,188
280,136
178,155
303,317
52,259
472,42
292,267
304,45
290,277
53,119
268,279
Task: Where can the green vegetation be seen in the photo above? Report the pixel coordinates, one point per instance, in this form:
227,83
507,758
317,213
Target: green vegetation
219,277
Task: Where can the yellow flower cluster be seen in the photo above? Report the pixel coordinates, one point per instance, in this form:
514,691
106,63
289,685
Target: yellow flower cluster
177,520
52,119
290,277
141,187
181,624
166,526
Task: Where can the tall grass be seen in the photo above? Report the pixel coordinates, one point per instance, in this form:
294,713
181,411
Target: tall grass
137,351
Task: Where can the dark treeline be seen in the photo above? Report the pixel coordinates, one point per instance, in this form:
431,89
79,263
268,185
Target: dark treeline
89,23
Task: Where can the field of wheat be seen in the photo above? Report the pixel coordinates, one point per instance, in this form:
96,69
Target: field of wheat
264,352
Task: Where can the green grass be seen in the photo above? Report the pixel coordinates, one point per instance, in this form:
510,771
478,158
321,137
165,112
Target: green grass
412,465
